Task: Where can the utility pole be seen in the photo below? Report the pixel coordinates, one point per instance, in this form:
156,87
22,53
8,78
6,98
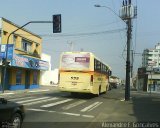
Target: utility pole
127,85
132,59
127,13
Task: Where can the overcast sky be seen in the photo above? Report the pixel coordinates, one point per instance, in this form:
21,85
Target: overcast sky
92,29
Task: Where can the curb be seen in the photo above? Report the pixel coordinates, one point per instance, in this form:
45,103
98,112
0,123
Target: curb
40,89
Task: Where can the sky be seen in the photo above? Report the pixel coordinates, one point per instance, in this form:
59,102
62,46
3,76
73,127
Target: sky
91,29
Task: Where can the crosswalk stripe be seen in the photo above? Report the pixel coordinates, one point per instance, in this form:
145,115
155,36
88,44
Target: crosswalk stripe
56,103
64,113
91,107
41,101
32,100
20,98
73,105
40,90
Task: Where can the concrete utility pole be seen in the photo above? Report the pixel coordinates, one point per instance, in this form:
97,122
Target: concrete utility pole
127,13
127,86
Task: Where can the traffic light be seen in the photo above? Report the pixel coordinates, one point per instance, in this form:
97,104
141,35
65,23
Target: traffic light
57,23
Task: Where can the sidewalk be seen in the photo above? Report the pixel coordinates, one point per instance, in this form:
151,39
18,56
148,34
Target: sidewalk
41,88
142,107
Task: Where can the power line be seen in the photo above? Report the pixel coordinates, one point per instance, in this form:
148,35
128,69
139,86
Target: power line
84,34
80,34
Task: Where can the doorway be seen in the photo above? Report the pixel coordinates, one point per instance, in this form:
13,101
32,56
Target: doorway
27,79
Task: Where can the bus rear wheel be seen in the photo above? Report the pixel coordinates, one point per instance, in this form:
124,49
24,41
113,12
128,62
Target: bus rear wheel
99,91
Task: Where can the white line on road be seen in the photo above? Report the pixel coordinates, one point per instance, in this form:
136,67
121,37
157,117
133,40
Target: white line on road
91,107
71,114
89,116
73,105
41,101
56,103
39,90
20,98
64,113
20,102
37,110
9,93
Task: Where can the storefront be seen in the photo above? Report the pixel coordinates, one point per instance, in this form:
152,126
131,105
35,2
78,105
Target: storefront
24,73
153,83
22,50
148,80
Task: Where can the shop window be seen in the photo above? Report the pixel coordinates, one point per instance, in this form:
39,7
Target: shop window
14,39
26,45
18,77
35,77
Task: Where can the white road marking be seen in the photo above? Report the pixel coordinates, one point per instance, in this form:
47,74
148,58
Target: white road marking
73,105
91,107
39,90
89,116
9,93
56,103
64,113
37,110
20,98
41,101
20,102
72,114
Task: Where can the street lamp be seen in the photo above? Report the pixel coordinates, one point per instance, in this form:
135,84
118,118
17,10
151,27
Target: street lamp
97,5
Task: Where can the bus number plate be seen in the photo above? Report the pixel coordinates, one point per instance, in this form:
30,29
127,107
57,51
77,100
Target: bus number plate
74,83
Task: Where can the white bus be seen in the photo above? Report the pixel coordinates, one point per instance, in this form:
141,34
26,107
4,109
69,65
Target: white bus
82,72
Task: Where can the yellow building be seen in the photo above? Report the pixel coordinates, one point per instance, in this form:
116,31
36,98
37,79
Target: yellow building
24,57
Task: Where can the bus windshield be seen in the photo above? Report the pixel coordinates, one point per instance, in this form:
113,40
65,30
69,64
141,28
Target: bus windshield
76,61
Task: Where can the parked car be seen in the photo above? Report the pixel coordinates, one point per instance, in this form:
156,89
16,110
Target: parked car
11,114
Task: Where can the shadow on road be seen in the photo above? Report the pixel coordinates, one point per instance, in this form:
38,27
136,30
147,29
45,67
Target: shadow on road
146,108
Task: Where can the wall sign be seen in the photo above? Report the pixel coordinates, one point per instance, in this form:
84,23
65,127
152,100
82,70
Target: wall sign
28,62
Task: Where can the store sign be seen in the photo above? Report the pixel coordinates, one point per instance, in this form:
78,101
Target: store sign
3,49
27,62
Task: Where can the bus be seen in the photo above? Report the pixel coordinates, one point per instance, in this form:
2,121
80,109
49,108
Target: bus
83,72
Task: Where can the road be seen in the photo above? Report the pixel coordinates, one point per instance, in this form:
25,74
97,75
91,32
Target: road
59,109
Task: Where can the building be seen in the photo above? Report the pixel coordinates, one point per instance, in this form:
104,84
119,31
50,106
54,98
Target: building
151,57
49,77
149,73
24,57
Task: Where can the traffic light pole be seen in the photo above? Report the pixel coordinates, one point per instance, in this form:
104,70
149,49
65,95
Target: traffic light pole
6,52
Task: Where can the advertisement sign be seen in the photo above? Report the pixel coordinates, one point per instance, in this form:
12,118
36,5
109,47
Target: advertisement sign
27,62
3,51
75,61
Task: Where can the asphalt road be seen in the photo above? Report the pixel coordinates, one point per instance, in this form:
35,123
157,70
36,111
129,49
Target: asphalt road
57,109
